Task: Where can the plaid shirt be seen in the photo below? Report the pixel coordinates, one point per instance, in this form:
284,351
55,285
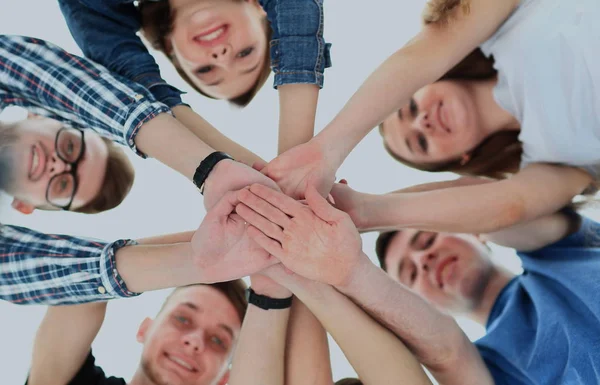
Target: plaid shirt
41,77
49,81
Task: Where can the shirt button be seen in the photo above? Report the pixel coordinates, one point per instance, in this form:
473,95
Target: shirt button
101,290
138,97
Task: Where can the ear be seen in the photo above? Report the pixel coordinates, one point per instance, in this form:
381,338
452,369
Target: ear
22,207
465,158
224,379
143,330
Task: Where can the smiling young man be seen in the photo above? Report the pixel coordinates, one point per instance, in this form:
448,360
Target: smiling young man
189,342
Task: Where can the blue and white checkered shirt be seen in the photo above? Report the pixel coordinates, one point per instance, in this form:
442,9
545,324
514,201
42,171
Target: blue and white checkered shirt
38,268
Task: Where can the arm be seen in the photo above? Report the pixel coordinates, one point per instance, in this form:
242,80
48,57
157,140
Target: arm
321,243
106,32
259,354
307,351
435,50
435,338
376,354
63,342
536,191
535,234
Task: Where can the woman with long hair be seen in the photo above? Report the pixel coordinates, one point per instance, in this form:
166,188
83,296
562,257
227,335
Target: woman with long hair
532,116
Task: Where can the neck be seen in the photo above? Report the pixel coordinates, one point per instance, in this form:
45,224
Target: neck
493,117
499,278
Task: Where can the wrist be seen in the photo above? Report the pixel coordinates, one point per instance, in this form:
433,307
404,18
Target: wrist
356,276
213,164
267,302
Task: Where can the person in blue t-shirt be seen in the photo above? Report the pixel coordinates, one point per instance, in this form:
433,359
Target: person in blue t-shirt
542,326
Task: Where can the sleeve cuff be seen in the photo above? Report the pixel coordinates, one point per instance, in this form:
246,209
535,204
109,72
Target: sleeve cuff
112,282
161,90
140,114
298,77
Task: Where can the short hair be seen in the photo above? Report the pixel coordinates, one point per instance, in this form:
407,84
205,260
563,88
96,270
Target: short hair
118,179
235,291
157,25
381,246
349,381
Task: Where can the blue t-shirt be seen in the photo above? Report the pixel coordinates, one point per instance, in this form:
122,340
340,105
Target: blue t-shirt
545,325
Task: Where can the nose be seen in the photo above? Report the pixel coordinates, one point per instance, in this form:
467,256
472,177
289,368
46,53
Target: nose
221,52
58,166
423,123
425,260
194,343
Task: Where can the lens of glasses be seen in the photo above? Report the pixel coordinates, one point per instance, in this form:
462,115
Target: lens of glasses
61,190
69,144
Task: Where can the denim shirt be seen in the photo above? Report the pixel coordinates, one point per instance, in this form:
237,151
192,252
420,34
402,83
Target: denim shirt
105,30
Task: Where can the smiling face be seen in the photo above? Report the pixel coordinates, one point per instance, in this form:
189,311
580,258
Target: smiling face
36,162
449,270
440,124
191,340
219,44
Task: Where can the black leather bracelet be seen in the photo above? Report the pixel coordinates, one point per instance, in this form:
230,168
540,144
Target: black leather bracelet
206,167
267,303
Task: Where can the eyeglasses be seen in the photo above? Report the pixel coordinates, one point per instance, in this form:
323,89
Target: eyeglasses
70,147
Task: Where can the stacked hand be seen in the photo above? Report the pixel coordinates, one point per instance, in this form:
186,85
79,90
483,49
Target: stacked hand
315,241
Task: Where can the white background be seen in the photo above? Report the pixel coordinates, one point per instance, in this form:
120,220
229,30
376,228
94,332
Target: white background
363,34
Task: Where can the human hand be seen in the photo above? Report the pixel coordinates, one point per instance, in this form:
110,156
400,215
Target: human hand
229,175
222,249
316,241
302,166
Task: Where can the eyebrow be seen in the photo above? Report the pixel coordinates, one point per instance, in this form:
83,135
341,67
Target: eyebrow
215,83
199,309
400,114
249,70
409,145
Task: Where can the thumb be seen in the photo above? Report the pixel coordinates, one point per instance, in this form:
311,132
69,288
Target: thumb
320,206
259,165
225,206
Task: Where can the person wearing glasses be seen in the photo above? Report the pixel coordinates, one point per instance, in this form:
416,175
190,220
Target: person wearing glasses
63,161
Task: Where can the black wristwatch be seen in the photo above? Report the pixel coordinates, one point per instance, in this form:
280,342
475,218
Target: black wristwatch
267,303
206,167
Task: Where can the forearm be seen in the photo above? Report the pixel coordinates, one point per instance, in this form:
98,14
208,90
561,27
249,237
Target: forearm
297,111
259,355
462,181
167,239
153,267
171,143
384,91
307,352
377,355
429,334
63,341
212,137
534,192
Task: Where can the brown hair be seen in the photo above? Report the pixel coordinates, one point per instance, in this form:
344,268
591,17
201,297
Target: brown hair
157,24
499,155
235,291
117,182
349,381
381,245
437,11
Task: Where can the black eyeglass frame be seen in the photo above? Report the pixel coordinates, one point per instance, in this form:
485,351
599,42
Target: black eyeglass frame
73,170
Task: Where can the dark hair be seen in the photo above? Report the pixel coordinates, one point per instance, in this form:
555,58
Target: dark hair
349,381
381,245
157,25
235,291
499,155
118,179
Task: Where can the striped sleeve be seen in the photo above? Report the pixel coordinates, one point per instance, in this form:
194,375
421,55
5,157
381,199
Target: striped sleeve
51,269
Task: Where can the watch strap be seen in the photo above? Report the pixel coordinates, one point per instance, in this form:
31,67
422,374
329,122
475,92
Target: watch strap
268,303
206,167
